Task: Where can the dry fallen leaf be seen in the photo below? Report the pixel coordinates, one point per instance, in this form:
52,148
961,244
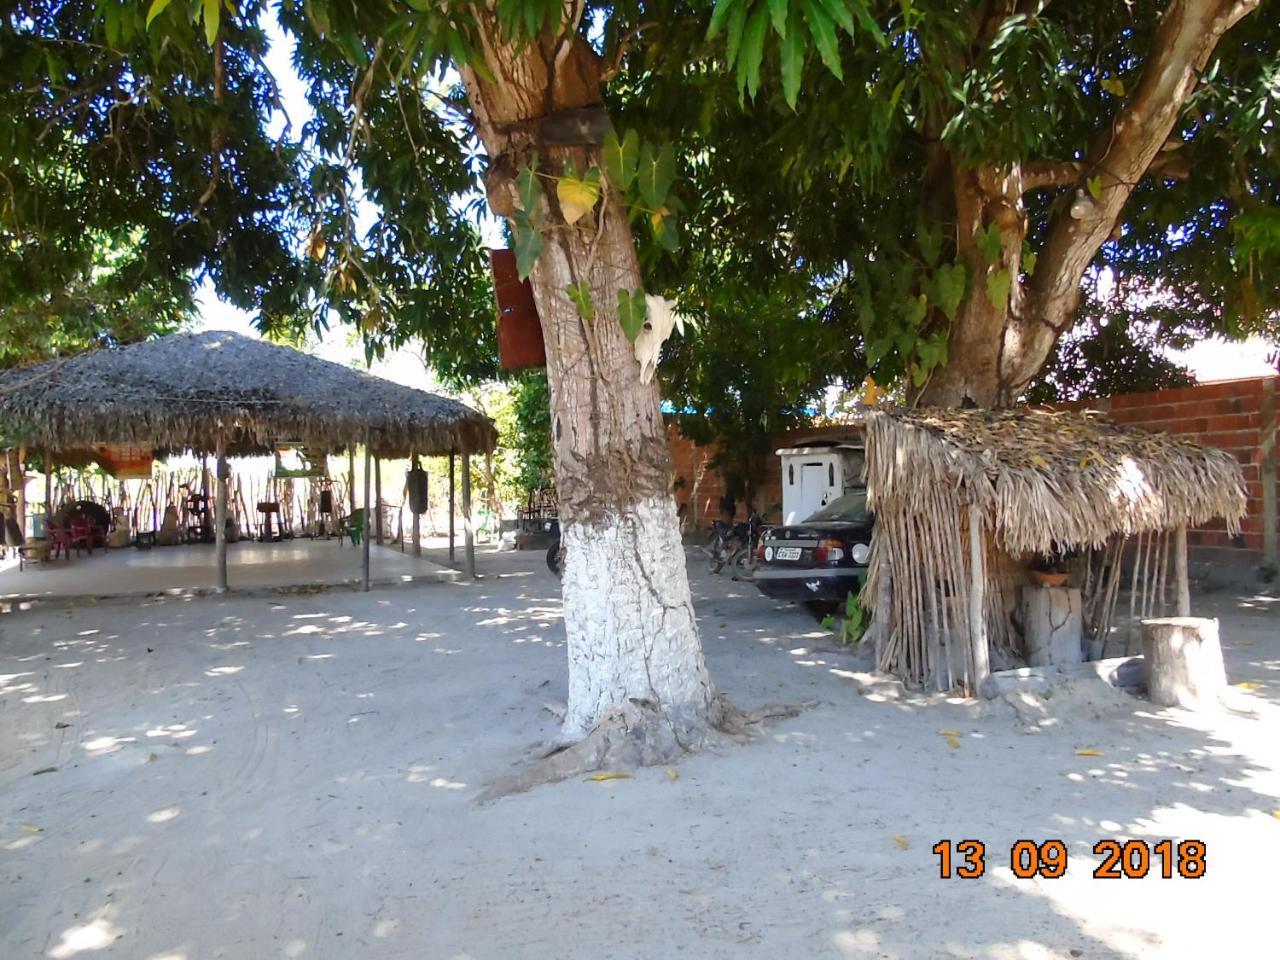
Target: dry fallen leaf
1276,814
1249,686
948,733
953,743
673,773
1088,752
611,775
30,828
902,841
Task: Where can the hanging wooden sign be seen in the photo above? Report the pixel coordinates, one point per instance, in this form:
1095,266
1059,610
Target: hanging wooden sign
519,326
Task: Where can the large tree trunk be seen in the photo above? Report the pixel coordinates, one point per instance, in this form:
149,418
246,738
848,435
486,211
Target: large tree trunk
997,349
629,619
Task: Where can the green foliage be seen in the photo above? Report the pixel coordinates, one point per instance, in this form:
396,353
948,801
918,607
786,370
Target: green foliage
632,310
531,435
852,626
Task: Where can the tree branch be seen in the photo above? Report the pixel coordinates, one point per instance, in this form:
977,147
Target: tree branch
620,51
1037,174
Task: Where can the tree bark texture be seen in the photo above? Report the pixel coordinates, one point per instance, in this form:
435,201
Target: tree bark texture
629,621
996,349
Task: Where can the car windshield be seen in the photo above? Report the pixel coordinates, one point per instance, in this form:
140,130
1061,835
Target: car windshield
852,507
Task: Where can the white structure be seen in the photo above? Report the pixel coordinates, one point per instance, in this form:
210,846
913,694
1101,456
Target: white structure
814,475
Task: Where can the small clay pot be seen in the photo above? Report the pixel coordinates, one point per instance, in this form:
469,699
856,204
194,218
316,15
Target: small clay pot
1049,578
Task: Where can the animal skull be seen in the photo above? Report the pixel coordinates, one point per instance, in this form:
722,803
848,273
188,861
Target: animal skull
661,320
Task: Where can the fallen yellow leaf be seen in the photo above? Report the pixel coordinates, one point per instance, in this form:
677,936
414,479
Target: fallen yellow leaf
611,775
1276,814
1249,686
948,733
902,841
30,828
953,743
1088,752
673,773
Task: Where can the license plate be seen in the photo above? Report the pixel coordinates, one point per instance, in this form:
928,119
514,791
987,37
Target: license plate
788,553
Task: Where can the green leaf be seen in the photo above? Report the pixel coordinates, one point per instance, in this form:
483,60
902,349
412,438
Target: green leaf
529,192
621,158
577,195
718,15
989,242
666,231
733,33
580,294
828,622
657,172
839,12
1029,258
869,23
778,14
1094,185
792,53
929,240
948,288
998,286
157,8
823,32
752,53
212,17
528,240
631,313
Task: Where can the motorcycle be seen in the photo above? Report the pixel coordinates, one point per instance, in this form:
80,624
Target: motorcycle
734,545
555,554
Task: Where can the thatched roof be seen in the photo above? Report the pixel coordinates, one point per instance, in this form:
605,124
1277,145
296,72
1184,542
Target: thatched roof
178,392
1042,478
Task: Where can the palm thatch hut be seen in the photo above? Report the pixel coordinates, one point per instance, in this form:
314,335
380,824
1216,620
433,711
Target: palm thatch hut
967,500
224,394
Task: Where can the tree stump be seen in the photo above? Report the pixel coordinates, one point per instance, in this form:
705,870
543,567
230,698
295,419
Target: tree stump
1183,661
1053,625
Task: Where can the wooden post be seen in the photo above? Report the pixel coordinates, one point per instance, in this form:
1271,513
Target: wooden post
469,561
351,479
220,515
48,488
1268,474
415,520
1180,572
377,496
977,616
368,522
451,506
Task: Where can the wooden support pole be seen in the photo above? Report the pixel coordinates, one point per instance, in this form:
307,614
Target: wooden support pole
377,497
220,515
469,555
48,488
351,480
452,508
368,524
1268,474
1181,574
977,594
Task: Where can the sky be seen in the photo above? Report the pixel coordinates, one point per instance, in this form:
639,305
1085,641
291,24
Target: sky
1208,360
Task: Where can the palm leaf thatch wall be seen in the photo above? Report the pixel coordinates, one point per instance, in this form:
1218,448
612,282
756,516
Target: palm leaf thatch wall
180,392
1039,483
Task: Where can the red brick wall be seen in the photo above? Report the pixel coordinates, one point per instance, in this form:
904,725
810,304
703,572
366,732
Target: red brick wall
1229,415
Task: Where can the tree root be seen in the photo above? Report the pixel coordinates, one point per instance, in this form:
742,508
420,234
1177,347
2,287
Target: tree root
638,734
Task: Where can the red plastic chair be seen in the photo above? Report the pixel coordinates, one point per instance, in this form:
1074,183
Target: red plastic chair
82,533
59,541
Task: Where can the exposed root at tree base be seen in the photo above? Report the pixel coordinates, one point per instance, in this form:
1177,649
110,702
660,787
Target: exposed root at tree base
639,734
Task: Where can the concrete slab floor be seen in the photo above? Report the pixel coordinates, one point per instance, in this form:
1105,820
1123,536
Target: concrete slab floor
250,566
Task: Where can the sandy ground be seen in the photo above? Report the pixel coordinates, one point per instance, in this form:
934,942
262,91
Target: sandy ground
293,776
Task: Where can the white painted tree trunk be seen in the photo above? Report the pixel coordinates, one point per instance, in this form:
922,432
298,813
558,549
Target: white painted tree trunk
629,619
633,644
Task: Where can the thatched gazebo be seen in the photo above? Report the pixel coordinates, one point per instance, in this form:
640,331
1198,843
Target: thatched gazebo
966,501
224,394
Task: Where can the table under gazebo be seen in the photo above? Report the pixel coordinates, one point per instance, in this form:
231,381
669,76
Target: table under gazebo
222,394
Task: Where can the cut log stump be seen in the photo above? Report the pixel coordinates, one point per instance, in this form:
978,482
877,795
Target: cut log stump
1053,624
1183,661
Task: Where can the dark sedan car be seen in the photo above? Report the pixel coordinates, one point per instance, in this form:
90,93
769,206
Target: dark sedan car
820,559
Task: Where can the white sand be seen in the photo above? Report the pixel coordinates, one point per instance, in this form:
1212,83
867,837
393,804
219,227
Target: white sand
293,777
